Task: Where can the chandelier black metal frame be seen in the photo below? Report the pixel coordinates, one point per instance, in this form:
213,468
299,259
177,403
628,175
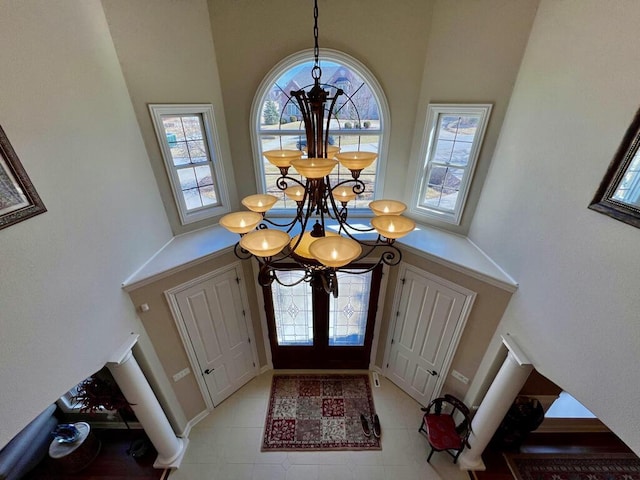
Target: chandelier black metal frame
318,252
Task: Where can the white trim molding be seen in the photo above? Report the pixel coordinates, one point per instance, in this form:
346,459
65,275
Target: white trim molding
427,159
213,154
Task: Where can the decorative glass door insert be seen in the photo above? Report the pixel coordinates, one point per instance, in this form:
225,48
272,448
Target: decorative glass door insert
293,310
348,313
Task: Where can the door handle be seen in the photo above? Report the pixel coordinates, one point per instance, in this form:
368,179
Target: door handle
209,370
433,372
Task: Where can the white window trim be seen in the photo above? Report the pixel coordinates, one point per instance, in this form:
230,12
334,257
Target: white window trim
330,55
213,145
426,152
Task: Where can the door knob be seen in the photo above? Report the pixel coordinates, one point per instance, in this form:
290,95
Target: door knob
209,370
433,372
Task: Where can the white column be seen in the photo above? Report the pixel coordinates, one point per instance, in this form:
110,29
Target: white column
505,387
138,392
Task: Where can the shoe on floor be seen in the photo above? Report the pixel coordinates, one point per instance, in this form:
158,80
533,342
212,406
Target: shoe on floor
376,426
365,426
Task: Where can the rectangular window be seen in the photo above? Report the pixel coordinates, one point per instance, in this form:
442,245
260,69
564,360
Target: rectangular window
189,145
453,137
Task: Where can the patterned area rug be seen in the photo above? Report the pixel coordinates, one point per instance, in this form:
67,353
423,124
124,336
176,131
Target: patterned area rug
605,466
318,412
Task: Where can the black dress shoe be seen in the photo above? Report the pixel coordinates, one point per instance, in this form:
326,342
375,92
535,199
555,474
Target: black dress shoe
365,426
376,426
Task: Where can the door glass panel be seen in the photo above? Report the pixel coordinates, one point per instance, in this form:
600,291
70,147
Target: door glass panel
348,313
292,308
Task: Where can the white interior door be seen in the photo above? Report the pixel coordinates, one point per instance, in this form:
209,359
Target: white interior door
214,315
429,320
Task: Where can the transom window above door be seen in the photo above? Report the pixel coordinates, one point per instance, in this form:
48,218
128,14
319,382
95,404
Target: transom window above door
359,120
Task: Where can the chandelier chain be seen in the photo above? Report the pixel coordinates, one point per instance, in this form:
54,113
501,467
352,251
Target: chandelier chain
316,72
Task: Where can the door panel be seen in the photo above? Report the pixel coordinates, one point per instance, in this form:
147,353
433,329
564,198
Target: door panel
427,318
308,329
214,316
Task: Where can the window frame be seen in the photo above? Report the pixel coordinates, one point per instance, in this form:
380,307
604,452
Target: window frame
214,155
427,152
328,55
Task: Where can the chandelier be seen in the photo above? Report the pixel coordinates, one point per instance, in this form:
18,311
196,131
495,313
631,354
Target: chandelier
317,251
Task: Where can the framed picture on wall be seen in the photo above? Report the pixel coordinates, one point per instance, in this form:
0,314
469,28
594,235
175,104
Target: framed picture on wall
18,197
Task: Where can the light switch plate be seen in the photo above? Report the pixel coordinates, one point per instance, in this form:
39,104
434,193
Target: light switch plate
181,374
457,375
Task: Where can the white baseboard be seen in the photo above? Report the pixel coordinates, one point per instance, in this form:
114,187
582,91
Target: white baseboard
266,368
192,423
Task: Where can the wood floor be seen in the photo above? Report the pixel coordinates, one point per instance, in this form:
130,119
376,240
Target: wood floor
603,442
112,463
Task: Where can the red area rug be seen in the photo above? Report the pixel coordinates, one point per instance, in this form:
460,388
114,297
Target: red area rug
318,412
605,466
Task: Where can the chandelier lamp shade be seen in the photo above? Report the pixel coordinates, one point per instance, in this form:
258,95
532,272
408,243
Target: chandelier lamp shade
305,241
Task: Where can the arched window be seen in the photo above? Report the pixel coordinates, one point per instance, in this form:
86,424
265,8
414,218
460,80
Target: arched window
360,120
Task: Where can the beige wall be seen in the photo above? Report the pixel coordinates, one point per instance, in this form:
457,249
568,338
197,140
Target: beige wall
162,330
473,56
576,311
486,313
390,38
65,108
167,56
488,308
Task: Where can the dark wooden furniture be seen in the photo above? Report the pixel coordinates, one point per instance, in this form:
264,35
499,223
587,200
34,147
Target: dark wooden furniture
443,432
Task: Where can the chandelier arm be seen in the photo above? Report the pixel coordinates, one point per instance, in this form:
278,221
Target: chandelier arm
305,278
282,184
358,187
328,200
351,227
341,213
337,213
265,278
241,253
302,217
390,257
339,92
305,111
323,207
262,226
303,226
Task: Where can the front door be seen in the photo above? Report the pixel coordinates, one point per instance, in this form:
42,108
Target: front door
215,317
309,328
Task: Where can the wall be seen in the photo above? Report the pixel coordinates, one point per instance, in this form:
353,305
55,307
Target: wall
576,311
250,37
65,108
473,56
488,308
162,330
167,56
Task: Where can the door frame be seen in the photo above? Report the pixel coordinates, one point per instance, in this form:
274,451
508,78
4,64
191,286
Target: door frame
457,333
171,294
378,318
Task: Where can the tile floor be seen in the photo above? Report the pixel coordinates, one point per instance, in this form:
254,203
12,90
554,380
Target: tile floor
226,444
